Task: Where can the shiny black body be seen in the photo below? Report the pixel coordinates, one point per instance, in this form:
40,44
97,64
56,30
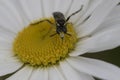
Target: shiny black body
60,22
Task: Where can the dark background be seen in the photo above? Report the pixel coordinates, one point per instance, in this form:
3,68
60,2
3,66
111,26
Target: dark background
111,56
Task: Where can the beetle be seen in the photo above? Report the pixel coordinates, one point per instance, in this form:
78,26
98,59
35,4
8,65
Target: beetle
60,22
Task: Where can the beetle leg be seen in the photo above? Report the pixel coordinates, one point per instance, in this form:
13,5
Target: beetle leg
44,21
53,35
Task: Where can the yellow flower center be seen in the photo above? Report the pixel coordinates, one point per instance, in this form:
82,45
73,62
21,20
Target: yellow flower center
34,45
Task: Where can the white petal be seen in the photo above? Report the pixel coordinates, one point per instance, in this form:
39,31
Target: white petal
111,22
48,7
71,74
97,17
54,74
6,21
103,38
10,17
8,66
31,9
19,12
8,62
115,13
6,54
13,11
95,67
23,74
5,46
89,7
6,39
107,39
62,6
38,74
6,35
46,77
82,47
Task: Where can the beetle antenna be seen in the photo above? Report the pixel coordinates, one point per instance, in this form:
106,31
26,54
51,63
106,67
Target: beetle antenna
74,14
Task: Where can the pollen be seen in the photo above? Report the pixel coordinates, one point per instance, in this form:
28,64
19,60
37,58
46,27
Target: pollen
35,46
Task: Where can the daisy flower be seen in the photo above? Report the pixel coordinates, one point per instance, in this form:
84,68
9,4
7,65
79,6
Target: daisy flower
28,50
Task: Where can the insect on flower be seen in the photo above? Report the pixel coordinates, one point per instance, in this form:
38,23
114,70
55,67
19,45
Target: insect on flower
60,22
